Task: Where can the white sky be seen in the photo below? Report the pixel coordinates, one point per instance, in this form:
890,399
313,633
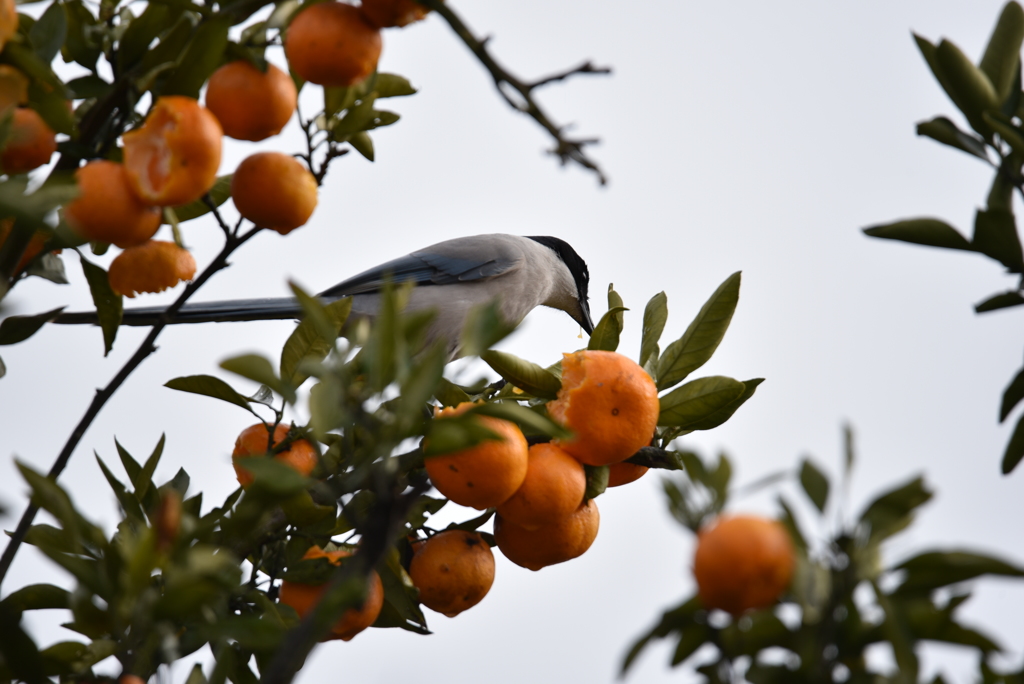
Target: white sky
737,136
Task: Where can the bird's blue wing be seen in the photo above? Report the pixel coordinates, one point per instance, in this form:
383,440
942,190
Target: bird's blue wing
455,261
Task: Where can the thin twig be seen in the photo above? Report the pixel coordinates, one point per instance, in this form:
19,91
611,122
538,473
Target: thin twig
567,149
102,396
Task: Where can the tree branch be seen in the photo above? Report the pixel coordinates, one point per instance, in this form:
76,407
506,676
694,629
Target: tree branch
567,149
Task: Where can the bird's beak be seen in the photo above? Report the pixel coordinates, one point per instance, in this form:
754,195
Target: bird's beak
584,318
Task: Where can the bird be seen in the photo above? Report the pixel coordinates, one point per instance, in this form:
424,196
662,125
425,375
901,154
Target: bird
451,277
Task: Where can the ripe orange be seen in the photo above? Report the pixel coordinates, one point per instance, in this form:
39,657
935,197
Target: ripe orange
31,143
332,44
253,442
35,245
107,210
274,190
150,267
742,562
556,542
304,597
623,473
554,487
453,570
609,402
389,13
484,475
250,104
173,157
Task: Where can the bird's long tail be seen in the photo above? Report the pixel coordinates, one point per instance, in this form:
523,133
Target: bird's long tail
202,312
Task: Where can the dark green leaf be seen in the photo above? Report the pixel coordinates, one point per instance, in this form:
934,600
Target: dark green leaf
209,386
308,341
202,57
789,521
381,118
676,619
143,481
524,374
815,484
655,317
109,304
52,105
929,232
130,504
890,512
935,569
607,331
80,45
1012,395
597,481
484,327
272,476
37,597
249,631
698,399
142,30
451,434
258,369
52,539
392,85
531,422
1002,54
995,235
1013,135
691,637
726,412
400,598
18,653
14,329
362,143
702,337
219,194
898,633
49,267
1000,301
167,51
946,132
968,86
450,394
49,32
128,462
1014,448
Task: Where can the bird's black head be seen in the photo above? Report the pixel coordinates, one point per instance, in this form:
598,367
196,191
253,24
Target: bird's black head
577,267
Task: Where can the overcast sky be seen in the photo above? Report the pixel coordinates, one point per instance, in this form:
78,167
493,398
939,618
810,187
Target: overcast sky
737,136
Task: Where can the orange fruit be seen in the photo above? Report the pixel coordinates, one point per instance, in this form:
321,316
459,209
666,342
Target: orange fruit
485,475
253,442
304,597
453,571
250,104
332,44
389,13
107,210
173,157
742,562
35,244
609,402
274,190
13,84
554,487
8,20
150,267
623,473
556,542
31,143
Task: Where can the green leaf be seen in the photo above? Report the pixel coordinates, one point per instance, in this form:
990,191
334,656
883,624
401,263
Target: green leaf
109,304
789,521
1002,54
607,331
892,511
655,317
129,503
1012,395
153,21
14,329
219,194
362,143
52,539
258,369
48,495
524,374
531,422
935,569
484,328
80,45
52,106
209,386
49,267
597,481
676,619
308,340
925,231
392,85
698,399
1014,448
450,394
968,86
18,653
815,484
401,604
1000,301
143,481
451,434
201,58
948,133
272,477
163,57
995,235
716,418
49,32
702,337
1002,125
37,597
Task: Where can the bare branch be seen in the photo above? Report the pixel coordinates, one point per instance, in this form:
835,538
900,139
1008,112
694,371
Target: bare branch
566,149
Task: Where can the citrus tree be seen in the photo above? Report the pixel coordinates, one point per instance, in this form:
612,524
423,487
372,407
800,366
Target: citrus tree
112,122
